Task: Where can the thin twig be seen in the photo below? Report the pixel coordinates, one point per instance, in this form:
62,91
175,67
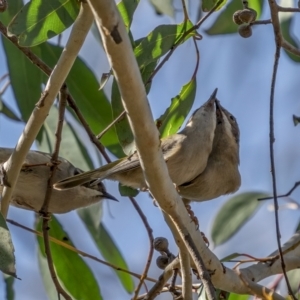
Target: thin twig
82,253
4,76
261,22
44,211
6,85
278,41
117,119
285,195
185,13
287,46
288,9
151,250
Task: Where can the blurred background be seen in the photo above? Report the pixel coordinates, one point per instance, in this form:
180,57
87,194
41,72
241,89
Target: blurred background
241,69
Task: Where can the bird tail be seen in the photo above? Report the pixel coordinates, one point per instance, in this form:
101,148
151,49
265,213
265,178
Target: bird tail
85,177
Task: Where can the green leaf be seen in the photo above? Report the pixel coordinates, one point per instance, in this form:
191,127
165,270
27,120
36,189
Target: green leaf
127,9
7,256
9,287
233,215
207,5
41,20
230,257
25,78
170,122
127,191
294,279
224,23
286,29
159,41
72,148
84,87
107,247
123,129
12,8
70,268
4,109
238,297
164,7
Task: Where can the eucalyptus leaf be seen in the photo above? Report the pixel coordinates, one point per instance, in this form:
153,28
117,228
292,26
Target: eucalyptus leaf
72,148
7,251
127,9
123,128
165,7
9,287
25,78
170,122
84,87
5,110
233,215
159,41
207,5
70,268
41,20
286,29
127,191
294,280
107,247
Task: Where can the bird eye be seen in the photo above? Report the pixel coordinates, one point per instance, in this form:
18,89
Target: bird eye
77,171
232,117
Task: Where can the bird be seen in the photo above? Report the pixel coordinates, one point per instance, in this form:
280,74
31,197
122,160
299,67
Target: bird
31,186
186,154
221,175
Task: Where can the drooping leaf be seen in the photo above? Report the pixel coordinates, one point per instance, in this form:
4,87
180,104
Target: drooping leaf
41,20
107,247
4,109
164,7
70,268
127,9
72,148
127,191
170,122
230,257
123,129
224,23
287,32
158,42
9,287
233,215
7,256
46,276
294,280
84,87
207,5
21,70
238,297
11,10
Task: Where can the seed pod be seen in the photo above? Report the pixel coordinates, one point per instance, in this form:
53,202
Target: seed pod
162,261
236,17
246,15
3,5
245,30
161,244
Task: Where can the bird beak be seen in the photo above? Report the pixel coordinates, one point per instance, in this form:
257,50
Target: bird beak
214,94
219,112
106,195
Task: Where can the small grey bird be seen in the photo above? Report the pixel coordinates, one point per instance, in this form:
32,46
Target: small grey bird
185,153
221,175
31,186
